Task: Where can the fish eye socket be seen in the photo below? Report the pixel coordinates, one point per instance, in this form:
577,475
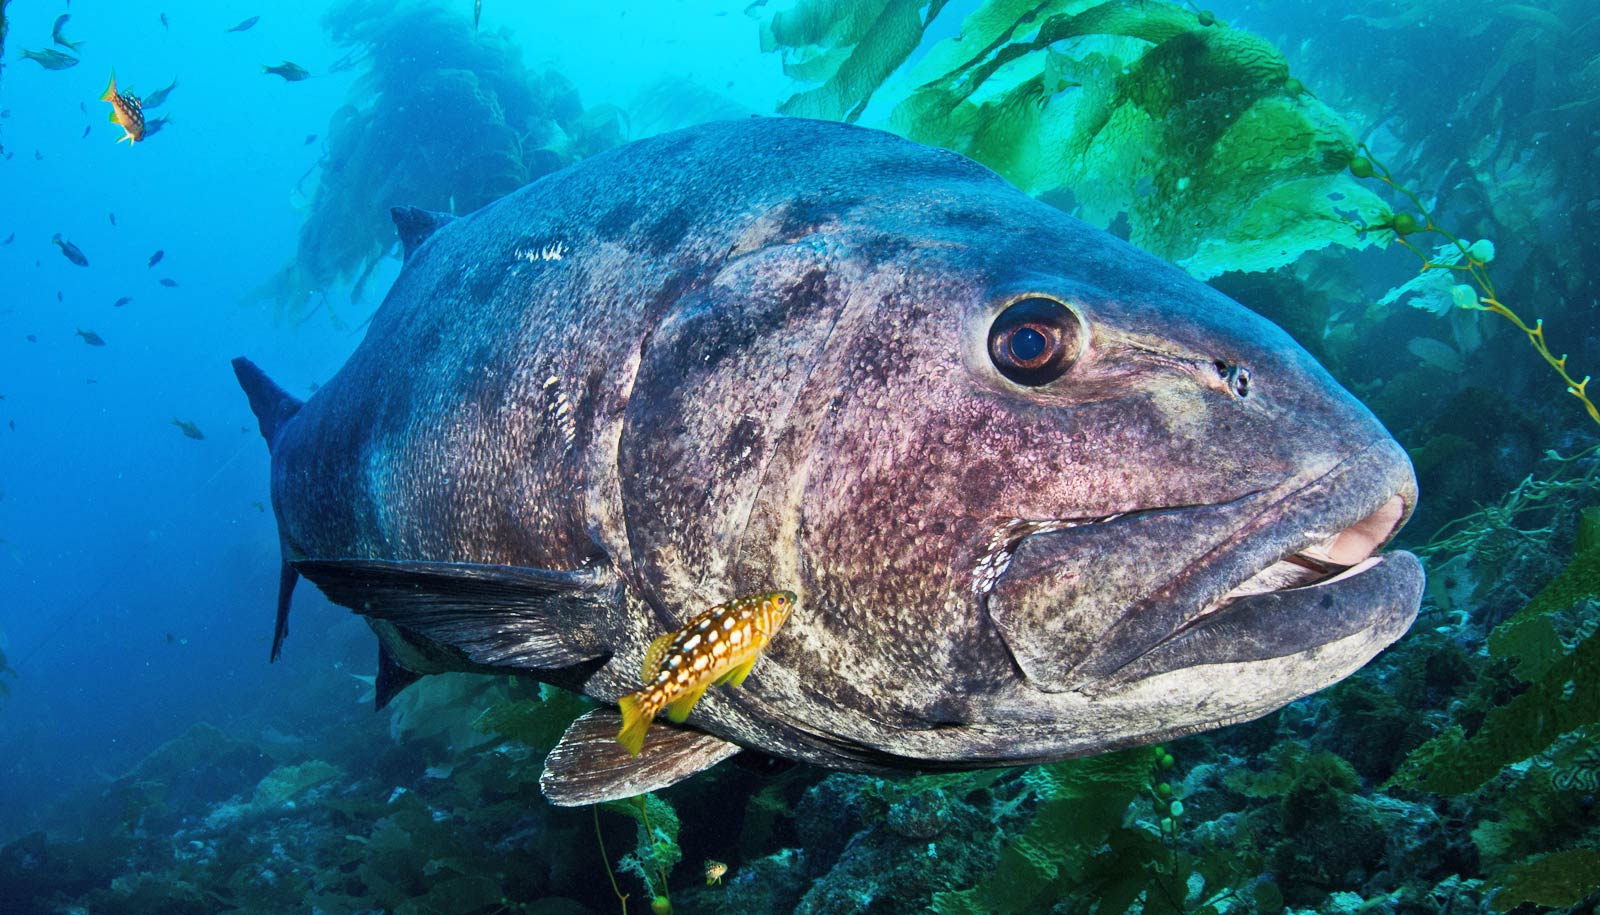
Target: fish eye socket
1034,340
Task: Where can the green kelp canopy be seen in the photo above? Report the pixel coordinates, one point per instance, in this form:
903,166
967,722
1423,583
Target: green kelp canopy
441,119
1192,129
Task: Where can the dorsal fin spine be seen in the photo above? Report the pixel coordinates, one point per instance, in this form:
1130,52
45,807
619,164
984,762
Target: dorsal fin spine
416,226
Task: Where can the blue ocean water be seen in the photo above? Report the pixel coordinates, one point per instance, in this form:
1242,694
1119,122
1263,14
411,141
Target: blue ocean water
139,565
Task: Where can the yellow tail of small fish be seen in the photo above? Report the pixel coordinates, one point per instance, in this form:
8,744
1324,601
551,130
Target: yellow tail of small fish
111,91
634,723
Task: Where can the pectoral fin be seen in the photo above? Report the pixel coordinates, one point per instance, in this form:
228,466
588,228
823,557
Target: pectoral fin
392,678
589,766
502,616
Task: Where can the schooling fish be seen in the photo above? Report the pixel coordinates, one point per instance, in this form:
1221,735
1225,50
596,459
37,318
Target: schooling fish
718,646
159,97
126,112
289,70
70,251
1038,494
189,429
91,338
9,239
155,258
113,218
51,59
245,25
164,24
60,39
168,282
122,301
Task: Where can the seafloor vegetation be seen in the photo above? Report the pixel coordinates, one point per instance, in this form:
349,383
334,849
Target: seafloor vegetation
1410,232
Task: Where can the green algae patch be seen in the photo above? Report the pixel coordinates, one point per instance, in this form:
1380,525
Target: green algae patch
1557,880
286,783
1194,133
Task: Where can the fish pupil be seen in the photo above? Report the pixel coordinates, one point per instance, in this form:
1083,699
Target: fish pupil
1027,344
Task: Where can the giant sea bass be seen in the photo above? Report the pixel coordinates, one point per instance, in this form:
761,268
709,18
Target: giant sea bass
1034,493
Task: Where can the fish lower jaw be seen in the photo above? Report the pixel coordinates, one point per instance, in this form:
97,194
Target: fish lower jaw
1328,558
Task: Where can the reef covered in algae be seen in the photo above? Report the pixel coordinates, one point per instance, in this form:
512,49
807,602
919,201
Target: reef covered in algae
1457,773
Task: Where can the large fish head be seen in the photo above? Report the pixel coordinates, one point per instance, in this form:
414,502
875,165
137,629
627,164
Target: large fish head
1040,494
1051,496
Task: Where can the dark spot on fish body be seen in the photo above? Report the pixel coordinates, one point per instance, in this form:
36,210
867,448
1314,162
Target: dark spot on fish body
746,445
803,217
968,219
617,221
667,231
481,281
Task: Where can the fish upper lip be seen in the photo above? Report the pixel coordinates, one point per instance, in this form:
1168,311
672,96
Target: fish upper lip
1361,487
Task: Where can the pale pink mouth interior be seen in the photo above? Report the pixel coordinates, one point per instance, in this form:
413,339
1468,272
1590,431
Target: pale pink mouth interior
1334,556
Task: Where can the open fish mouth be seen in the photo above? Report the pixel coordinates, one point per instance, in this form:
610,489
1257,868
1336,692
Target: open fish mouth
1094,604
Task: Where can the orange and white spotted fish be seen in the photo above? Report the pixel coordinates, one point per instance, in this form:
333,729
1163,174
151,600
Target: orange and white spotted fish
720,645
126,112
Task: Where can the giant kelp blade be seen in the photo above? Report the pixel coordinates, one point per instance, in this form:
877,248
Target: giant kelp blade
589,766
848,48
1192,131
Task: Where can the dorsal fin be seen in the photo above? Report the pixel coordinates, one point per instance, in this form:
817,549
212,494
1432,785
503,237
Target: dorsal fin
272,405
415,225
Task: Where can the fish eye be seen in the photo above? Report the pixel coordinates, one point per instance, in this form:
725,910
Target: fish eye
1035,340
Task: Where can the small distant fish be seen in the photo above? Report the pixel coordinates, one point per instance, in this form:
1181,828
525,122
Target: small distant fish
60,39
126,112
164,22
289,70
159,97
189,429
156,258
714,871
245,25
86,129
72,253
310,138
153,126
719,645
477,13
91,338
113,218
38,155
259,506
171,638
58,292
122,301
9,239
169,282
33,338
51,59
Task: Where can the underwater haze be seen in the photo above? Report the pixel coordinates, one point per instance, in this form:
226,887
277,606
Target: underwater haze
1411,191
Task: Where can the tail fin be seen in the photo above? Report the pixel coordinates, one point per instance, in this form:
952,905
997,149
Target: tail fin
272,405
634,723
111,91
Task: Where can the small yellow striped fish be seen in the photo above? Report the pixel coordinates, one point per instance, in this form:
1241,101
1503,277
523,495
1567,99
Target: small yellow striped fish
718,646
126,112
